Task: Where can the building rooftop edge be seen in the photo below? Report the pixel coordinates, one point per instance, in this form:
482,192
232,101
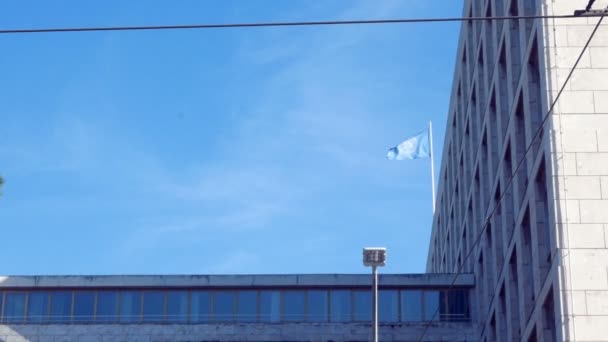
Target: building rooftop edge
237,280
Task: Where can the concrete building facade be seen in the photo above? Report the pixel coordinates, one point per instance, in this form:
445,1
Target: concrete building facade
272,308
522,200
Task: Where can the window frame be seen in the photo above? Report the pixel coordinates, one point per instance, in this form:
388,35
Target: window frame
5,295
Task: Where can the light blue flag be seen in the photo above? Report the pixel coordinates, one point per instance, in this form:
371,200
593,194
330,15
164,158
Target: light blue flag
415,147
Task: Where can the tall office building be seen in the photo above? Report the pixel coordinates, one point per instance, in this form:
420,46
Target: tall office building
522,201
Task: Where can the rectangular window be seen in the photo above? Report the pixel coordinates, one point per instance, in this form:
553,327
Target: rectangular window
514,293
527,265
388,306
200,306
411,305
431,305
177,306
340,306
458,305
548,317
247,306
38,307
14,307
107,306
223,306
316,303
502,314
362,305
293,306
154,306
84,306
543,230
270,306
130,306
61,306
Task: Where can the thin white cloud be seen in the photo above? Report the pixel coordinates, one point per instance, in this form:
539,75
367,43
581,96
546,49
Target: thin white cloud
233,262
310,129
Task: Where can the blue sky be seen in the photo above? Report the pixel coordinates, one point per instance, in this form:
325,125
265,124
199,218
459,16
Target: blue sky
217,151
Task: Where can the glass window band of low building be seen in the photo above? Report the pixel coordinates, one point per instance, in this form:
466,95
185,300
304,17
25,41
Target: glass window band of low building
245,305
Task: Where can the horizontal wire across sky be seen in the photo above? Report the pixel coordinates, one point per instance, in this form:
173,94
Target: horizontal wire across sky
283,24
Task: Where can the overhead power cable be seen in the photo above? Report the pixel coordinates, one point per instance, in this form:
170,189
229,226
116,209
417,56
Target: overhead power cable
280,24
519,165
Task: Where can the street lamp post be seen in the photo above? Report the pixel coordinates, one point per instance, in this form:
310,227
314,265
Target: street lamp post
374,257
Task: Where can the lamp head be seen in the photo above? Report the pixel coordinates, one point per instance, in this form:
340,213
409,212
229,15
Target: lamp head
374,256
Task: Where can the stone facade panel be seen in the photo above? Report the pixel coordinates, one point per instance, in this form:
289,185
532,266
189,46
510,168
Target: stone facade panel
598,57
583,122
582,187
579,34
591,328
588,269
579,301
594,211
582,140
597,302
566,164
586,236
567,56
577,102
589,79
601,101
592,164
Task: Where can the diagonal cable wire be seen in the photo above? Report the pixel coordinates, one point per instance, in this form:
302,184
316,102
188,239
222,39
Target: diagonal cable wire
519,164
281,24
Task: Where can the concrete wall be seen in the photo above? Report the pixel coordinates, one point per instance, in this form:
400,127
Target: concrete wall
580,152
262,332
457,332
241,280
530,224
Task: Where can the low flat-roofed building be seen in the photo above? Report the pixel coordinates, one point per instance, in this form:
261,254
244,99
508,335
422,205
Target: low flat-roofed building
328,307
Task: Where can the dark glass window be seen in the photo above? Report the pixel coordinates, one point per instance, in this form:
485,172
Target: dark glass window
200,306
177,306
1,298
270,306
317,306
14,307
107,306
293,306
247,302
84,306
154,306
61,306
130,306
362,305
340,306
431,305
458,305
223,306
411,305
37,307
388,305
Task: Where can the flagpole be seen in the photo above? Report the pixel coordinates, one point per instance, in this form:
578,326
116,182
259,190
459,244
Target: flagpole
432,158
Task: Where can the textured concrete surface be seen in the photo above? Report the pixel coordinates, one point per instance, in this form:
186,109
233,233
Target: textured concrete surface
414,280
234,332
532,215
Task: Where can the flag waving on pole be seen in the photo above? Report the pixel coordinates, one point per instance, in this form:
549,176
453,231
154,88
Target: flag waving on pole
415,147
